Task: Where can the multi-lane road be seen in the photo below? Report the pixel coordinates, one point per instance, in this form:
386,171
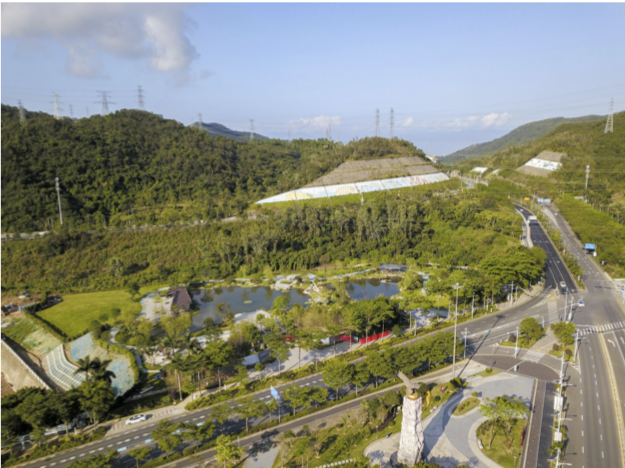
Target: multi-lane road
593,432
594,445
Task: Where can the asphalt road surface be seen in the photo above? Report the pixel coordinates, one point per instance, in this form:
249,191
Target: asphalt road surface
594,438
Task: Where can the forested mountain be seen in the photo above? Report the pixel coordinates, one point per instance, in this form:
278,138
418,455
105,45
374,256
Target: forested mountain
219,130
133,167
519,136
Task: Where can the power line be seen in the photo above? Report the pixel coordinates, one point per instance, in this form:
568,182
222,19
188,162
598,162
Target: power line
140,93
105,102
609,125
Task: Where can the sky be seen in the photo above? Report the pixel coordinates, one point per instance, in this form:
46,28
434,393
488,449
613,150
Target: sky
454,74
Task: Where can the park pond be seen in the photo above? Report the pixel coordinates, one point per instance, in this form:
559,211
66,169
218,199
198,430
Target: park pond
246,299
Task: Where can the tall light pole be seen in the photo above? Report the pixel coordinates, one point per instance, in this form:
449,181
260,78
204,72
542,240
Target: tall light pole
576,340
472,305
58,194
457,288
516,343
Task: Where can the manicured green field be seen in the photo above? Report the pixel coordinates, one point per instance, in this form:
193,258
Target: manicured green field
73,315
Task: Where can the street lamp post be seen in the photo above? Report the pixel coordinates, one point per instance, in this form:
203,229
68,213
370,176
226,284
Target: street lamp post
516,343
472,305
457,288
576,339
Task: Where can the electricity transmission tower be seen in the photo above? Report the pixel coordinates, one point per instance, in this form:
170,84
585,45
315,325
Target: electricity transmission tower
57,106
199,122
251,129
140,93
329,132
609,125
105,102
22,113
392,121
71,111
377,122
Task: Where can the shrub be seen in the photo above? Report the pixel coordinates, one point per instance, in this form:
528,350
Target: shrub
475,394
437,398
488,370
512,338
556,347
396,330
568,352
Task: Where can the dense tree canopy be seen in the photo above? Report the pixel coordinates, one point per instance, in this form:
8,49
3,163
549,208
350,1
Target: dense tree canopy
133,168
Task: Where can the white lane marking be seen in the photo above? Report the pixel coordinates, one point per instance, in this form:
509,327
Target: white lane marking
203,416
582,417
82,454
127,440
582,433
599,420
136,437
101,448
145,433
601,436
602,454
582,403
599,407
71,458
110,445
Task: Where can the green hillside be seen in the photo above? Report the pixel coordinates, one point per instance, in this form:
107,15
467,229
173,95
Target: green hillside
585,144
134,168
219,130
519,136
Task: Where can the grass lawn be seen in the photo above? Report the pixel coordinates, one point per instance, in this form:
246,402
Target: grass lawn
466,406
499,451
73,315
562,350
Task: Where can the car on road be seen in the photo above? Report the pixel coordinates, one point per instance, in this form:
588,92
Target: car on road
136,419
580,303
563,286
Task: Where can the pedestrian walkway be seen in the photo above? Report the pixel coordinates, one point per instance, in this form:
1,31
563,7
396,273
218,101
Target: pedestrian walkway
532,356
552,308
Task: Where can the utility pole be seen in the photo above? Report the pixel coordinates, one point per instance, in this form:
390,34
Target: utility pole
457,288
57,107
22,113
392,122
609,125
251,129
511,294
576,340
105,102
140,96
58,194
516,343
377,122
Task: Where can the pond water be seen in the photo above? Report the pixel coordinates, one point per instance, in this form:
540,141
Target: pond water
242,300
371,288
250,299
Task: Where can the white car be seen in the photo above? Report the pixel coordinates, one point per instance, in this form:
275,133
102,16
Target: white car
580,303
136,419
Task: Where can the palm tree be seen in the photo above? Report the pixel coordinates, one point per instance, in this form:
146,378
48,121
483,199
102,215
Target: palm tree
84,365
187,343
104,374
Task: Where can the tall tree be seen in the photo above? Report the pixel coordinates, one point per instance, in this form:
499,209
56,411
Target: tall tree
250,408
97,398
336,373
167,435
139,454
227,452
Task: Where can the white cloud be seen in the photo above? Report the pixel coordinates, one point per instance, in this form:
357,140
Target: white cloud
133,30
474,121
407,122
320,122
495,120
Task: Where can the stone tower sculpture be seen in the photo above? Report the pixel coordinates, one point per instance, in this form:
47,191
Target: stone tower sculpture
411,439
